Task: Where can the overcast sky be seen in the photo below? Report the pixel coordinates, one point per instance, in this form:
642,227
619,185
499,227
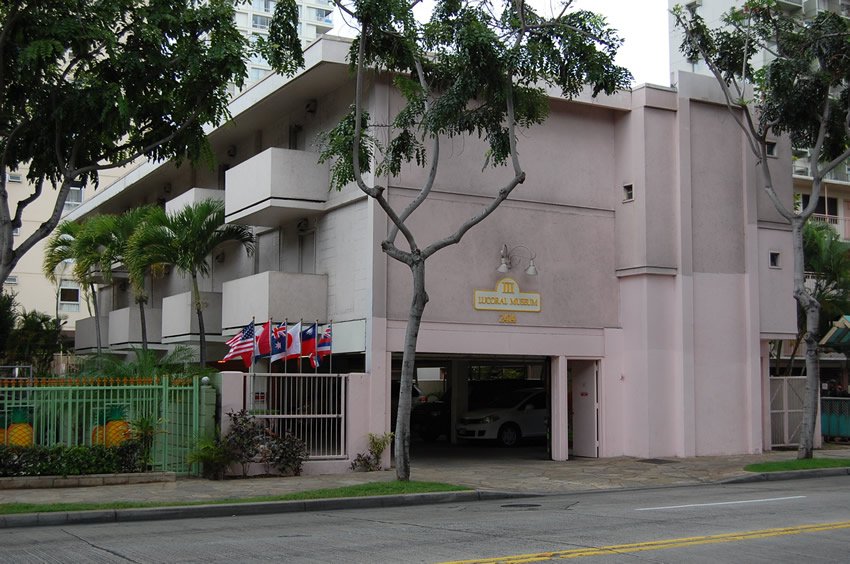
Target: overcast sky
642,23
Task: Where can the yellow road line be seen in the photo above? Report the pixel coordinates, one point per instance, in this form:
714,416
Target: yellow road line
657,545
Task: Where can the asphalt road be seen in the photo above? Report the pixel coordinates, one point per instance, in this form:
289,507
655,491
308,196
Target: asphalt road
792,521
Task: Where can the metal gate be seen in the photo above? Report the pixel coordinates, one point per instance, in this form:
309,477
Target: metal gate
786,410
309,406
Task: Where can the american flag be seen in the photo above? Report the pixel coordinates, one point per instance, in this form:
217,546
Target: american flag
242,344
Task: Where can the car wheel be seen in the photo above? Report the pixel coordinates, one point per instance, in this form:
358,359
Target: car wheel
509,435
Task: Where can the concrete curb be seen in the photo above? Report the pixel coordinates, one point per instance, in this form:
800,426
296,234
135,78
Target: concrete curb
789,475
240,509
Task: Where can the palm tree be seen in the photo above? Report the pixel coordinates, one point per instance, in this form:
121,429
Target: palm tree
186,239
67,244
112,234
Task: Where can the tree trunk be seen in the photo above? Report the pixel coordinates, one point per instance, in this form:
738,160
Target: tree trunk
811,307
141,302
96,318
199,309
402,422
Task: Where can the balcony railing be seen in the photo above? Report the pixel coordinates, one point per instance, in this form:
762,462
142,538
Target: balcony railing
273,294
180,319
125,328
276,186
840,224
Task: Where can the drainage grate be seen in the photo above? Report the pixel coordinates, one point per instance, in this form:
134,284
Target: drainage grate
521,505
656,461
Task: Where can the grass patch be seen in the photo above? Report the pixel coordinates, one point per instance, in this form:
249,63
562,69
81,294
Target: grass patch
804,464
360,490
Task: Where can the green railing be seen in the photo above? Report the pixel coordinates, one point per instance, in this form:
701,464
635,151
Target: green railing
75,410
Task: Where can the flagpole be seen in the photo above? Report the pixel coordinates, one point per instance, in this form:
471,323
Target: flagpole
300,331
316,352
285,343
271,342
331,355
253,357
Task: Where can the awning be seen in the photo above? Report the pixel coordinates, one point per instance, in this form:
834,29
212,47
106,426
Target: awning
839,335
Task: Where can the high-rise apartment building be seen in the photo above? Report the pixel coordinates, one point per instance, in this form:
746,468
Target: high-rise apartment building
315,17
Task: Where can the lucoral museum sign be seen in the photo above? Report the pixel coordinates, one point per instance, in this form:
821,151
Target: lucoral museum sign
506,297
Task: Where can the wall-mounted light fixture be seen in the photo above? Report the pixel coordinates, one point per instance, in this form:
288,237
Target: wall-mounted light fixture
219,258
511,257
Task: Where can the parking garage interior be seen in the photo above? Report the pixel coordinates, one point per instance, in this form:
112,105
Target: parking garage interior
478,406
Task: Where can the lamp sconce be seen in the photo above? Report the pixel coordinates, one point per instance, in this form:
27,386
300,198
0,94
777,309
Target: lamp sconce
231,151
166,187
511,257
311,106
219,258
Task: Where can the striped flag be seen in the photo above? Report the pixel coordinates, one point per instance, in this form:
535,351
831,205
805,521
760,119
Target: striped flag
242,344
324,346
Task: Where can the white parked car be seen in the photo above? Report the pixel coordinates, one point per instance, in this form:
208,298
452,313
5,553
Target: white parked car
509,418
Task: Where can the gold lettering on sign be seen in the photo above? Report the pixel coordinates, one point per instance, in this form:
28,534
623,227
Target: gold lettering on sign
506,297
507,318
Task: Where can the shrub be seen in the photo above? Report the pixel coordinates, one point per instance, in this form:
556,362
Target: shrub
287,454
61,460
245,438
372,461
214,455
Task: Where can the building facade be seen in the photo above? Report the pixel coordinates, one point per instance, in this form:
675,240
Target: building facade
663,271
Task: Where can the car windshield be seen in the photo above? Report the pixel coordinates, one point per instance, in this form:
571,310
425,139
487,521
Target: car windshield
507,399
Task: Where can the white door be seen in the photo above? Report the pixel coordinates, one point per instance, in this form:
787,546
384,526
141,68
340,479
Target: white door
585,408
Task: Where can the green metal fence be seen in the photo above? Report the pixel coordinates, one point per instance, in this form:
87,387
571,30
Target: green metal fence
84,411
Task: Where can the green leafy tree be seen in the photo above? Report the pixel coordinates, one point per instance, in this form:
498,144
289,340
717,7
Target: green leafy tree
68,244
34,341
474,68
802,93
827,264
110,235
186,240
87,86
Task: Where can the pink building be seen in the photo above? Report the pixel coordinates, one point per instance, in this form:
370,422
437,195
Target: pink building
663,269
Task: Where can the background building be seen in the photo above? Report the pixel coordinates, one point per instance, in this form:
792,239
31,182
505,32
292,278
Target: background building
663,271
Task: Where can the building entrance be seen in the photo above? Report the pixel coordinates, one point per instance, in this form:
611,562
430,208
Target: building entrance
469,405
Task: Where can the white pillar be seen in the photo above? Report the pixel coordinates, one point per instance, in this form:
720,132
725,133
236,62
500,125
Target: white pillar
559,422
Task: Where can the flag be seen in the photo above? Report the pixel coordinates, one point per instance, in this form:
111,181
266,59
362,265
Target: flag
323,347
264,338
308,343
278,343
308,340
242,344
293,341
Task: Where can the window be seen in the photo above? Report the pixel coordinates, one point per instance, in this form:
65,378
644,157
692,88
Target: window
770,146
255,74
264,5
323,15
11,280
69,296
260,22
628,193
75,197
773,259
826,206
14,177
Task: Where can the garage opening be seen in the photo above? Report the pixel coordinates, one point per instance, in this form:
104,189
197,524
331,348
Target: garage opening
478,406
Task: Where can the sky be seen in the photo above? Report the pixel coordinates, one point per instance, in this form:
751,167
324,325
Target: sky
641,23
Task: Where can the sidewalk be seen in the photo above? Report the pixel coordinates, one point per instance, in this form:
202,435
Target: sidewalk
516,471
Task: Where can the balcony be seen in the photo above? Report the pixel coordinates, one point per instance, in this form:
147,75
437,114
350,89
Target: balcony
192,196
85,334
276,186
180,321
125,329
840,224
279,295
